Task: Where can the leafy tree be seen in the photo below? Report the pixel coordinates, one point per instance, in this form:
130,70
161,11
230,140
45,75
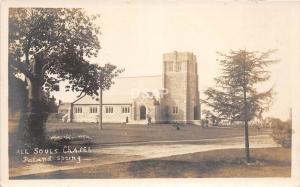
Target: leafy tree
48,45
235,96
17,93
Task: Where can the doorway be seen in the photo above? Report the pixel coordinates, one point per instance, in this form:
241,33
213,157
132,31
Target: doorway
142,113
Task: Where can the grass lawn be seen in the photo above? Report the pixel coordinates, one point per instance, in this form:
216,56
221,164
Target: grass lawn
270,162
118,133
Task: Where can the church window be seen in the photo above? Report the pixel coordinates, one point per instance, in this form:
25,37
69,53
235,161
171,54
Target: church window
175,110
109,110
77,110
125,109
93,109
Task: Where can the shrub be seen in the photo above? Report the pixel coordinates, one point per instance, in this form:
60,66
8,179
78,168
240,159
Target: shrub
282,132
68,139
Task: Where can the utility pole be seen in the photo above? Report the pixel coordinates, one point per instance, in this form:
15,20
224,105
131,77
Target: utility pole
100,109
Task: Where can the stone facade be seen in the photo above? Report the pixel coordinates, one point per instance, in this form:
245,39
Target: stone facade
145,106
177,101
180,78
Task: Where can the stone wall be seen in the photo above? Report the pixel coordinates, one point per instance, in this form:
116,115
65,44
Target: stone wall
192,92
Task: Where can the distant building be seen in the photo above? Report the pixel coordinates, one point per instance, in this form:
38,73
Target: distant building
170,97
64,108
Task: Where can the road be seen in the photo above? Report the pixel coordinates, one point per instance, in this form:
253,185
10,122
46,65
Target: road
125,152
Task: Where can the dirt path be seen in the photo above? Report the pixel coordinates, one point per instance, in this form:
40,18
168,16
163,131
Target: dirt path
169,148
116,153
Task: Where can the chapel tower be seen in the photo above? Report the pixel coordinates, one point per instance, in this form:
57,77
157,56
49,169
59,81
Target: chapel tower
180,79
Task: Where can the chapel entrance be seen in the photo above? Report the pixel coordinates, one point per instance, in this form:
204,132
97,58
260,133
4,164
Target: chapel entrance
142,113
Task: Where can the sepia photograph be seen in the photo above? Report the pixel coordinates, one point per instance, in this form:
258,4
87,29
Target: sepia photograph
149,90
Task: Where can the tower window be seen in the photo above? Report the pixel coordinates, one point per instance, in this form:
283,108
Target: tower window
175,110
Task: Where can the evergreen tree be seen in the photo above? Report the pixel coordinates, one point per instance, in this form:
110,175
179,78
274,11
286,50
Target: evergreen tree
235,96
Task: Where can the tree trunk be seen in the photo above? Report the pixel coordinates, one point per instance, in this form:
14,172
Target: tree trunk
23,117
36,117
34,126
247,151
100,109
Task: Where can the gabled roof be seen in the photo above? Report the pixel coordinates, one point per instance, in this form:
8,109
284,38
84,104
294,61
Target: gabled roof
126,89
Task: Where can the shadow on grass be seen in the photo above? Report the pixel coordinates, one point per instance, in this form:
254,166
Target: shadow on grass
270,162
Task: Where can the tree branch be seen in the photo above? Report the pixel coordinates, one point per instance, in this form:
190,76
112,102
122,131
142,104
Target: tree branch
81,94
45,67
42,50
22,68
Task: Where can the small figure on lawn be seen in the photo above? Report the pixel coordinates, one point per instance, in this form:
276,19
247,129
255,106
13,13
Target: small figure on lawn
149,120
258,126
126,121
177,126
206,123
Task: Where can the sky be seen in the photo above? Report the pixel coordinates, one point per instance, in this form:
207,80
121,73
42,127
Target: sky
136,34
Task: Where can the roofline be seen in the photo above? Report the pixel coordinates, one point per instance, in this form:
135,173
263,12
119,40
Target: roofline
78,99
120,78
107,104
139,76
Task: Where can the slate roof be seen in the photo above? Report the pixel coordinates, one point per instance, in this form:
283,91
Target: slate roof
126,89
